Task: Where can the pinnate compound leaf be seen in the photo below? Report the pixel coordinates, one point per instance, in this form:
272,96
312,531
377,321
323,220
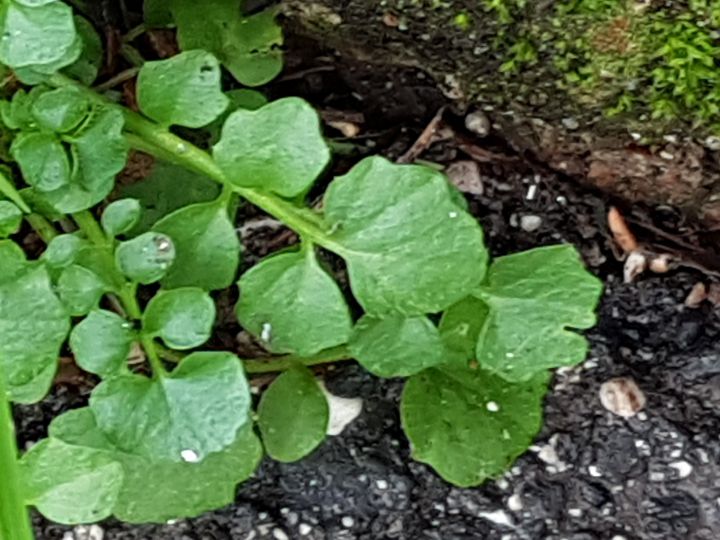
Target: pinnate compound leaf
247,46
194,98
293,415
101,343
33,36
278,147
184,416
60,110
42,160
409,248
179,490
71,484
396,346
168,188
33,326
80,289
182,318
534,299
145,259
207,248
10,219
293,305
470,425
121,216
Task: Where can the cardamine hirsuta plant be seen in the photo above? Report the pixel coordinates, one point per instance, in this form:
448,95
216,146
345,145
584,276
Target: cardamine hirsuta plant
173,435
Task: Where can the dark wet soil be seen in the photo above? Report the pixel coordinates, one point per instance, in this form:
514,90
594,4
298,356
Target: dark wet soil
590,476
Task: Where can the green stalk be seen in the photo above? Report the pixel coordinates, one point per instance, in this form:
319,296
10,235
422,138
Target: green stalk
154,139
273,364
40,225
14,517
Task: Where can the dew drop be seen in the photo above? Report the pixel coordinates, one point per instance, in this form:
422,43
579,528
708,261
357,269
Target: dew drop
453,215
266,332
492,406
189,456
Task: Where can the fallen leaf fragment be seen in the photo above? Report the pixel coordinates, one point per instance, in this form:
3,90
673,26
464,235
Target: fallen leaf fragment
698,294
635,264
342,410
622,396
620,231
465,175
661,264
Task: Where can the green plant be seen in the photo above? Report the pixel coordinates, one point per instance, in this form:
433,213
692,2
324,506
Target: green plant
183,421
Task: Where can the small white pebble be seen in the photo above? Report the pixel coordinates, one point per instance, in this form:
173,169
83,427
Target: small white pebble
381,484
514,503
189,456
492,406
667,155
618,537
682,467
279,534
656,476
531,192
594,471
499,517
530,223
548,454
478,123
347,522
304,529
575,512
621,396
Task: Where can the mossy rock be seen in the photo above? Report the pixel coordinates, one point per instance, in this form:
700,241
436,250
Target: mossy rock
622,93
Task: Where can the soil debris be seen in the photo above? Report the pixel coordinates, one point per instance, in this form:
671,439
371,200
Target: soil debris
622,396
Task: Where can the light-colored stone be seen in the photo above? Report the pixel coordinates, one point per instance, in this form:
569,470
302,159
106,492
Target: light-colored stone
622,396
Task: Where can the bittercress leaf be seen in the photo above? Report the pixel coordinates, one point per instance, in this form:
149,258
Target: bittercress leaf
194,98
70,484
33,326
80,289
184,416
409,248
535,299
42,160
101,343
460,327
60,110
470,425
179,490
86,67
121,216
182,318
293,415
10,219
201,233
293,305
396,346
145,259
63,250
277,148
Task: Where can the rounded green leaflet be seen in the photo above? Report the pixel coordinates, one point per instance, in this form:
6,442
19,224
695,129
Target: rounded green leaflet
37,35
10,219
293,305
293,415
535,300
194,98
183,318
408,246
60,110
248,47
13,261
145,259
121,216
86,67
42,160
396,346
201,233
101,343
179,489
71,484
62,250
278,147
34,325
80,289
470,425
186,415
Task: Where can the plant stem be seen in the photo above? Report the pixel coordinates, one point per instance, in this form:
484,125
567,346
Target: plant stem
153,356
154,139
89,225
45,230
273,364
40,225
10,191
14,517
